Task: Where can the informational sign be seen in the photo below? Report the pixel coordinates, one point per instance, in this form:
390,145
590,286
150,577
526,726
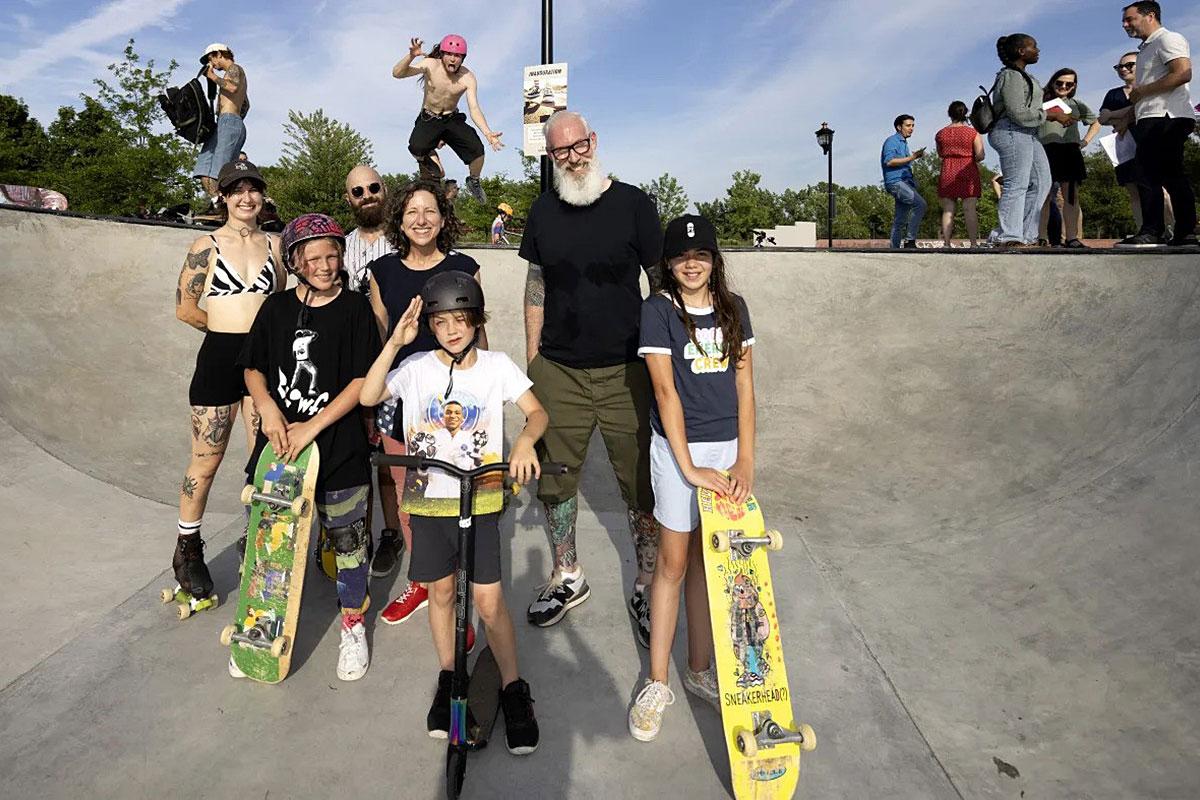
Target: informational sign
545,91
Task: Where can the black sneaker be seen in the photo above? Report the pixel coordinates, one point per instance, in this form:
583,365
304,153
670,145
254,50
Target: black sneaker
387,553
520,728
1141,240
909,244
639,609
556,597
1185,241
438,719
475,189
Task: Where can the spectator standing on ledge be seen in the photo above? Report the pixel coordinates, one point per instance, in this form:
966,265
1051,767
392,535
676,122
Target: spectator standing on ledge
1064,151
960,147
1164,120
1017,98
233,104
899,182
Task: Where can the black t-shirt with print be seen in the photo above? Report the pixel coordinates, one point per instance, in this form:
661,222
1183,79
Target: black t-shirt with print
398,285
308,359
591,258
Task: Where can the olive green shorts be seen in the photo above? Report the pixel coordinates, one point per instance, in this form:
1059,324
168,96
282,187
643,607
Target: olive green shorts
617,399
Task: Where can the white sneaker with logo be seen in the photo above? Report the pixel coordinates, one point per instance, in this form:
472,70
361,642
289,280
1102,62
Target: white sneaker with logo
353,656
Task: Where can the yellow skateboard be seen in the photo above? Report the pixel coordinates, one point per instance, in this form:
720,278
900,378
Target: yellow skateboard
762,737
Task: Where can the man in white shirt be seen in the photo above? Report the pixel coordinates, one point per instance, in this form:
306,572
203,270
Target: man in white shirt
1164,120
366,194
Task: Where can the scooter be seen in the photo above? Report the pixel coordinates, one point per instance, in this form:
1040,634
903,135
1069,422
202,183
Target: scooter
461,739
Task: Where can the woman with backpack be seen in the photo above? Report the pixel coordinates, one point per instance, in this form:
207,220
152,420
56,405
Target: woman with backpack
1017,98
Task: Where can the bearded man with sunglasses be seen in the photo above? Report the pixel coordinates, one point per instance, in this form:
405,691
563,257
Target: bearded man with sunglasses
366,194
587,241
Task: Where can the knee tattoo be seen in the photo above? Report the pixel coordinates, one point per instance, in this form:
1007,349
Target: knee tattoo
560,518
350,544
645,532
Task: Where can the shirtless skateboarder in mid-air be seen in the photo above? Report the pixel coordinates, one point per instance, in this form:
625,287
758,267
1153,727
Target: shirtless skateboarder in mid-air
445,80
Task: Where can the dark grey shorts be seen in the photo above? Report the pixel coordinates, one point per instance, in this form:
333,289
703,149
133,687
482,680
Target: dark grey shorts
435,549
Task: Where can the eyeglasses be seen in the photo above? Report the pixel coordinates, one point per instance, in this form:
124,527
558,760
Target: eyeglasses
373,188
1065,84
581,147
1124,67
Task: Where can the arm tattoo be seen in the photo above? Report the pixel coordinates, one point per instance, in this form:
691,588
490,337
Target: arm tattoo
195,286
655,274
178,296
535,287
198,260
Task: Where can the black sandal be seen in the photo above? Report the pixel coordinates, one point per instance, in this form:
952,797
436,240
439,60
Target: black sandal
1075,244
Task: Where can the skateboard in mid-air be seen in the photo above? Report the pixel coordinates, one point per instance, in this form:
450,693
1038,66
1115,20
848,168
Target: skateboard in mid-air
762,737
282,502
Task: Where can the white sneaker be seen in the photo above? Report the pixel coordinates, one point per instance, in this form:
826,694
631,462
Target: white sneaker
645,717
353,656
703,685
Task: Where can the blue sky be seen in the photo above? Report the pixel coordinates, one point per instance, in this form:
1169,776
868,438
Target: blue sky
697,88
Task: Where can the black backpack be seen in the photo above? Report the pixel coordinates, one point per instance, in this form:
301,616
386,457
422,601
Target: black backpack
190,112
983,113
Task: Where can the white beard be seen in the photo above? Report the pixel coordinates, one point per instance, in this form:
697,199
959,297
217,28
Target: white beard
580,190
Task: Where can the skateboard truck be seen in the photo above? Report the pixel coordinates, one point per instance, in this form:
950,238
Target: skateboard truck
259,636
742,545
298,505
768,733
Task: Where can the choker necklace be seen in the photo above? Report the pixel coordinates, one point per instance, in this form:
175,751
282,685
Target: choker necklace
244,231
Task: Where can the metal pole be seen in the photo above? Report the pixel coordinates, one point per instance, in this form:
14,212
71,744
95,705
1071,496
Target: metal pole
547,58
829,187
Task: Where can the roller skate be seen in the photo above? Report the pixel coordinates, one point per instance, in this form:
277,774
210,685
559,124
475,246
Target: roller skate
194,587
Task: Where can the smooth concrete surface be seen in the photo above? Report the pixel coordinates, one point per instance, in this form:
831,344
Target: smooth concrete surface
986,464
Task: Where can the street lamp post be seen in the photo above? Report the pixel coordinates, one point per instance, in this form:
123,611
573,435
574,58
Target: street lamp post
547,58
825,139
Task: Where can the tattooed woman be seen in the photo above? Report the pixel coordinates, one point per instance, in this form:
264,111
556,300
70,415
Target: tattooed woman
233,269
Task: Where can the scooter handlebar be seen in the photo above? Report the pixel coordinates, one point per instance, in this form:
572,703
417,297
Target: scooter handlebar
421,462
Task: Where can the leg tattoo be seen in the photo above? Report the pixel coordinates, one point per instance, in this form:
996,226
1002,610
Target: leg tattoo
219,425
645,532
189,486
197,421
560,518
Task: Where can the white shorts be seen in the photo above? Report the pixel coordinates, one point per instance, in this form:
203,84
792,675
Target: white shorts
674,498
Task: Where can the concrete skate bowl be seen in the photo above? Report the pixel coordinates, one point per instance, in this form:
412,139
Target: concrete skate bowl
992,458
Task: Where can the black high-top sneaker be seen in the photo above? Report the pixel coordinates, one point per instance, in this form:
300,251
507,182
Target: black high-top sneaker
190,570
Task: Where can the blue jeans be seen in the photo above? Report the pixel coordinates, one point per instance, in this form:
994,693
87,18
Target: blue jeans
222,147
910,210
1026,180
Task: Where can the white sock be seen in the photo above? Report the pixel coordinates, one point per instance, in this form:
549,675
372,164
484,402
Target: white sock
190,528
571,573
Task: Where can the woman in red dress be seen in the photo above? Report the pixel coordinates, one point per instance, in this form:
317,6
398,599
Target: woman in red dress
961,149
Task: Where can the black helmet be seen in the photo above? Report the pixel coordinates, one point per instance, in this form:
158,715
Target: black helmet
451,291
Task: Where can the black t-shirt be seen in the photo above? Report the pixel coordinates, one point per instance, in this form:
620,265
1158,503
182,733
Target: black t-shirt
398,285
591,258
1115,100
307,363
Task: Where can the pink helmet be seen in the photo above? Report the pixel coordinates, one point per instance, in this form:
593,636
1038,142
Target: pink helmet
453,43
305,227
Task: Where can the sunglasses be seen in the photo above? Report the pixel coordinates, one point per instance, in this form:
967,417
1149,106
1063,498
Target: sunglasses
581,147
1065,84
1123,67
373,188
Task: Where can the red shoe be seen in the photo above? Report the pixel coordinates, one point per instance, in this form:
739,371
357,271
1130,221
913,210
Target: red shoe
413,599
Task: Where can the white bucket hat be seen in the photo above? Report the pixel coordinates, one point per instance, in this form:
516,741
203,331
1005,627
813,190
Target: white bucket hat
215,47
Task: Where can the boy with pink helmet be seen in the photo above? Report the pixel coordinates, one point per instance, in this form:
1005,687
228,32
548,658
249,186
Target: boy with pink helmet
445,80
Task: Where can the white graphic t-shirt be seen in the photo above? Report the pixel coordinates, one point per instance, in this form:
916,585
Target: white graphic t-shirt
466,428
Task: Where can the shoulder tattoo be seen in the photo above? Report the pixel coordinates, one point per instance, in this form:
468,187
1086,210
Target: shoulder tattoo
198,260
535,287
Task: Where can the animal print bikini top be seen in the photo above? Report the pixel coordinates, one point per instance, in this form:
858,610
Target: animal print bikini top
227,281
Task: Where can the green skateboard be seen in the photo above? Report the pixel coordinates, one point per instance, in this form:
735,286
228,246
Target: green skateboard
282,503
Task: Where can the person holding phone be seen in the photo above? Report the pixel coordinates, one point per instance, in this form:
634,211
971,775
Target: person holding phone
899,182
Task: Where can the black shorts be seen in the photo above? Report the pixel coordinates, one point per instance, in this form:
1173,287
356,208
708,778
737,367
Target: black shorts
435,549
1066,162
452,129
218,380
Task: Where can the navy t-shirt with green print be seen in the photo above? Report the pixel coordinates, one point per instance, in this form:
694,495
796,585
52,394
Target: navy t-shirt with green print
705,382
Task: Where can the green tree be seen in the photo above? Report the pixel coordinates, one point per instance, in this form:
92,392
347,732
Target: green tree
745,207
668,195
318,152
22,142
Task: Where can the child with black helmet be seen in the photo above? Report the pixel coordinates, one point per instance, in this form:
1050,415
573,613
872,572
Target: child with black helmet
453,403
305,359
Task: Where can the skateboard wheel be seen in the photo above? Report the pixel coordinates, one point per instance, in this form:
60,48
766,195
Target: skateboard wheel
809,736
227,635
185,611
280,646
746,744
166,596
300,506
774,540
247,495
720,541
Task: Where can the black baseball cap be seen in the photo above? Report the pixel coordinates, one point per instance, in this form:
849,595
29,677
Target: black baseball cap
236,171
689,232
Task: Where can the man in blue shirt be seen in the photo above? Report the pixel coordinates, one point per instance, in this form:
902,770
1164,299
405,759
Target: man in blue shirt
899,182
